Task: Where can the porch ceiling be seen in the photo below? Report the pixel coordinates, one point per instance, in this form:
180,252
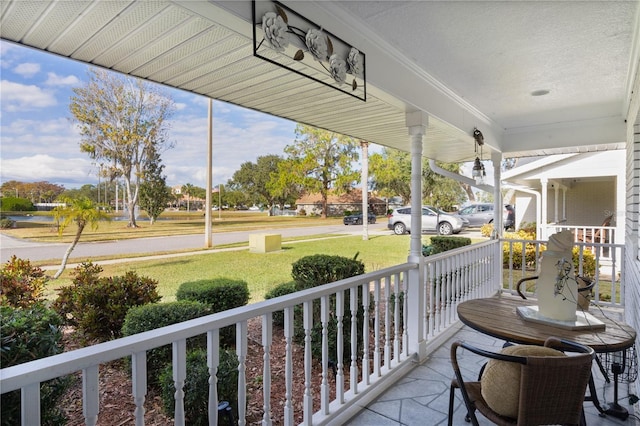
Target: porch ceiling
466,64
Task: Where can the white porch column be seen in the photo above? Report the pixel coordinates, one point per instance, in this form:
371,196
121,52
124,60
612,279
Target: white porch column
365,190
417,124
498,208
207,213
564,204
543,209
556,195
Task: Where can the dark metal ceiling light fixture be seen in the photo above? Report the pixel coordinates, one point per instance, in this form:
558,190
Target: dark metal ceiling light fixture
291,41
478,173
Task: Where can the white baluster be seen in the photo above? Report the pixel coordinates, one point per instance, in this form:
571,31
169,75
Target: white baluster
307,402
241,351
213,361
376,327
179,361
288,370
340,346
30,407
90,395
324,386
396,317
405,302
353,304
267,339
366,367
139,384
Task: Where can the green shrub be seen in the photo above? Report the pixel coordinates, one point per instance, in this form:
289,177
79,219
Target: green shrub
21,284
220,294
149,317
318,269
97,306
315,270
196,386
280,290
6,223
28,334
442,244
15,204
588,258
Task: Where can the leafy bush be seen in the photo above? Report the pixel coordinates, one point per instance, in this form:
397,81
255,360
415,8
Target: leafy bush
196,385
21,284
6,223
280,290
315,270
15,204
219,294
149,317
97,306
28,334
442,244
319,269
588,258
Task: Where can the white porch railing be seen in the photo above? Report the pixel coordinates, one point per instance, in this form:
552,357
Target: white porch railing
386,341
383,345
522,256
601,235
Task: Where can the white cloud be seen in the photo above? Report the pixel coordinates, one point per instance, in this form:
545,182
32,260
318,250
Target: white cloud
65,171
54,79
27,69
180,106
22,97
25,137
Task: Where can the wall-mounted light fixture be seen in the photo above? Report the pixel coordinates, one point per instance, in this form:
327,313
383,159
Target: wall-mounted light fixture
478,172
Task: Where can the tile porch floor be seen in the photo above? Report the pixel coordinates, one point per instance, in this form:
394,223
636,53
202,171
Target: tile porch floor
422,396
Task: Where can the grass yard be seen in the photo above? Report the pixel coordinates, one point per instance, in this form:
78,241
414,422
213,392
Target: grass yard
39,227
261,271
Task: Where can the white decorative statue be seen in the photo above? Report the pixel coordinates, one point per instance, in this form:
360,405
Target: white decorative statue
556,286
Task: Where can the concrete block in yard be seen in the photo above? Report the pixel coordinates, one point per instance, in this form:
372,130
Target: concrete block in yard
264,243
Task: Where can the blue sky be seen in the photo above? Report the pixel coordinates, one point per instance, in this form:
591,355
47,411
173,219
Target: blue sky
38,142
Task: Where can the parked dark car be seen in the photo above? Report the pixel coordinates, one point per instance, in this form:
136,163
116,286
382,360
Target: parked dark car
356,219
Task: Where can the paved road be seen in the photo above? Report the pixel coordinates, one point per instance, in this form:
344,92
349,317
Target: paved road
54,251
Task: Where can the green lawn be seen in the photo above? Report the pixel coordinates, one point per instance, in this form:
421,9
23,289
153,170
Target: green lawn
261,271
170,223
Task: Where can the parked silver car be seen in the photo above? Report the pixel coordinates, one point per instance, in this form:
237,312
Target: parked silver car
479,214
432,220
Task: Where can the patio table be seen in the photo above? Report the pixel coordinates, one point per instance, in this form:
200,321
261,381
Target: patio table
498,317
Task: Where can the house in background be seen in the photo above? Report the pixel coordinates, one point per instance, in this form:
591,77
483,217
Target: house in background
579,189
337,205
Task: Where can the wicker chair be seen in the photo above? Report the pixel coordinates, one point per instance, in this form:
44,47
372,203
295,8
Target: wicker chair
552,388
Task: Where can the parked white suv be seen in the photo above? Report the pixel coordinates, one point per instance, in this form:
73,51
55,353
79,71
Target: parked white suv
432,220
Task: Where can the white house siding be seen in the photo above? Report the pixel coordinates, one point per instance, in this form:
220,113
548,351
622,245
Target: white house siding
587,203
632,269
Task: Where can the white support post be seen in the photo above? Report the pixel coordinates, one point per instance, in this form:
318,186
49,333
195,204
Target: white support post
417,123
207,215
365,190
544,182
498,207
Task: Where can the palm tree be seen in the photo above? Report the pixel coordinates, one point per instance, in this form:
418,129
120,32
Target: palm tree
187,189
81,211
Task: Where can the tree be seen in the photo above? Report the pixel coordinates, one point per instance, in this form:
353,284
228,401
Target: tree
320,161
119,118
37,192
82,212
440,191
154,192
390,173
255,179
187,189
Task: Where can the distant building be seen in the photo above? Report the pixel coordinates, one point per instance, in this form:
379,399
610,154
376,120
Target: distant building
337,205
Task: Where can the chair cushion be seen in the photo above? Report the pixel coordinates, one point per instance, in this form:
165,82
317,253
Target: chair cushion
500,382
